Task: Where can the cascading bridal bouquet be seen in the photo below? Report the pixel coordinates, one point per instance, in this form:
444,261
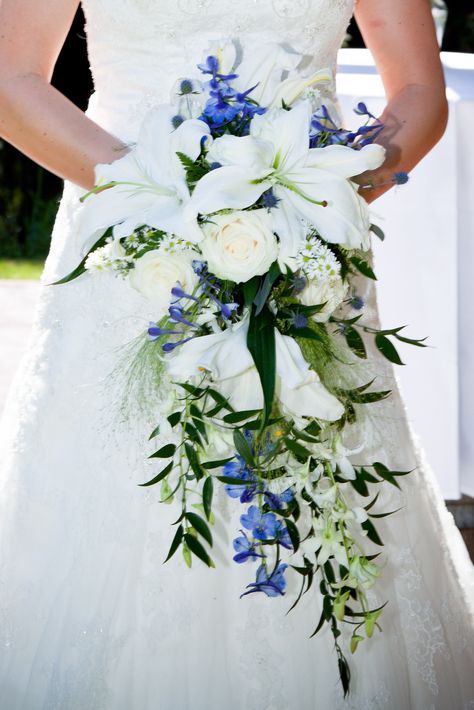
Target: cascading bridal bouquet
236,215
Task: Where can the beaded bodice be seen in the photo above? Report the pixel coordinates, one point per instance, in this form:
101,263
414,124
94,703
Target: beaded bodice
138,48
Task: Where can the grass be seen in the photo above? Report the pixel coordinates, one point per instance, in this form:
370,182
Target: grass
29,269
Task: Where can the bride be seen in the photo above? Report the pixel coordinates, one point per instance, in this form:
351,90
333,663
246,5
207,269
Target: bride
90,618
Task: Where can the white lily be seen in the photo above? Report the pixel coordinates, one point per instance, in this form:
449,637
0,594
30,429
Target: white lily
299,388
150,182
311,183
228,360
226,357
294,88
263,68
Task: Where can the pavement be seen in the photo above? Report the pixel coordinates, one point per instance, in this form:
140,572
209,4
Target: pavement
17,308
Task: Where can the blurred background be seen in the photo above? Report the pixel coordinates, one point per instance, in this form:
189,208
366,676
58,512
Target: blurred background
436,382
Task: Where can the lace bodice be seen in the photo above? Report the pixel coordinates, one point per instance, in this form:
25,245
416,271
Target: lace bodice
138,48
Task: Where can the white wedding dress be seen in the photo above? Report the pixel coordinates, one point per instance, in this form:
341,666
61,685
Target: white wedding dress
90,618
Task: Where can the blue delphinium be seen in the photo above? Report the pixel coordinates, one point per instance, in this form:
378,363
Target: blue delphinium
324,131
279,501
238,469
263,526
282,535
209,286
272,585
245,549
225,103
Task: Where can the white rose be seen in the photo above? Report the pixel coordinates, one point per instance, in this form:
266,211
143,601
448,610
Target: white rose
156,273
240,245
331,292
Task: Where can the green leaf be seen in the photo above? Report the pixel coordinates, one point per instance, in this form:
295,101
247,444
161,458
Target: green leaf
344,674
388,350
266,286
234,481
318,628
166,492
261,343
327,607
250,289
305,333
193,459
197,392
370,397
377,231
176,542
355,342
207,493
174,418
385,515
195,169
243,448
80,269
236,417
372,502
196,416
200,525
219,398
329,571
155,432
166,452
159,477
216,464
187,555
372,533
192,433
197,549
293,533
297,449
363,266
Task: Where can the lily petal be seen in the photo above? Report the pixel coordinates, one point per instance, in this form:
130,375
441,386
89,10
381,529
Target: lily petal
346,162
230,187
298,387
288,131
264,67
345,219
246,151
290,228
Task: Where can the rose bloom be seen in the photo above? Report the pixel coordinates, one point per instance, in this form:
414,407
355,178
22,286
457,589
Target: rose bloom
330,291
156,273
239,245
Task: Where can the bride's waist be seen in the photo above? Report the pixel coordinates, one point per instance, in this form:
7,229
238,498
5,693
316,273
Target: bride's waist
120,111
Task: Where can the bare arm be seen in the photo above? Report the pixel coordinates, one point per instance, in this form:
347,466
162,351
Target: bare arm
34,117
402,39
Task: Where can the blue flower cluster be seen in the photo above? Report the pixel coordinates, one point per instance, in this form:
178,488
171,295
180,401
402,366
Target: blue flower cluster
263,525
209,286
179,310
178,315
324,131
225,104
273,584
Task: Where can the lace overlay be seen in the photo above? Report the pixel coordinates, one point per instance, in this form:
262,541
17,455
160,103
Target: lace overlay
90,618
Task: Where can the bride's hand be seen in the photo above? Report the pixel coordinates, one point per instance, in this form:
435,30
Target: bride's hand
35,117
402,39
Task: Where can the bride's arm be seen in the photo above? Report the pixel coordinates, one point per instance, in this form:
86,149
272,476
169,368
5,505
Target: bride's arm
34,117
402,39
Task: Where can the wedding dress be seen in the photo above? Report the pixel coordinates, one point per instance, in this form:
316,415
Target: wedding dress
90,618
